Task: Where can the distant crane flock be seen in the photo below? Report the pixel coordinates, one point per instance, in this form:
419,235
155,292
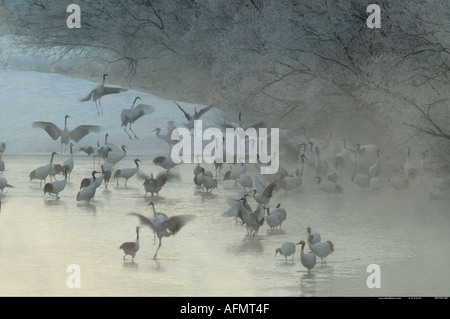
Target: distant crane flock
330,165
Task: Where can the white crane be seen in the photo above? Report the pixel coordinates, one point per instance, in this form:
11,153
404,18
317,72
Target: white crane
280,212
66,136
115,157
197,170
165,162
322,249
129,116
198,175
88,180
207,181
168,136
237,208
106,168
287,249
93,151
312,237
233,174
192,117
4,183
308,260
153,185
165,228
99,91
131,247
328,187
245,181
43,171
252,219
103,148
69,162
262,194
273,220
398,182
57,186
362,180
87,193
127,173
291,182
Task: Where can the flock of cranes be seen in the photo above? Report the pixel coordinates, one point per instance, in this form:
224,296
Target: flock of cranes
325,161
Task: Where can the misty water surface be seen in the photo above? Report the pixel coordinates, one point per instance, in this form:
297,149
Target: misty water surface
404,232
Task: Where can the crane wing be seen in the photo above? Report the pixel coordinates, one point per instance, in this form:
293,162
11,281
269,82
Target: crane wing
143,175
51,129
161,178
234,210
175,223
259,185
188,117
88,150
260,213
269,190
201,112
145,108
88,97
81,131
112,90
144,220
135,113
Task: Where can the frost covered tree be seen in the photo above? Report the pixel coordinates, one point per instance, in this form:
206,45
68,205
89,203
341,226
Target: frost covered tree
309,63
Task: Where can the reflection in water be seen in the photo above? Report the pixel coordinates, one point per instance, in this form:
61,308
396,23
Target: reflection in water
130,265
308,284
247,245
87,208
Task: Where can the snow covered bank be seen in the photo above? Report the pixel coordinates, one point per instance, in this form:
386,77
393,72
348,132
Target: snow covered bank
27,96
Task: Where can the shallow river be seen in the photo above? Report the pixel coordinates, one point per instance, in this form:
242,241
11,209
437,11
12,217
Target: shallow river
403,232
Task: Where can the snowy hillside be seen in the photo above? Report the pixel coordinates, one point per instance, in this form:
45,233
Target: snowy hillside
26,97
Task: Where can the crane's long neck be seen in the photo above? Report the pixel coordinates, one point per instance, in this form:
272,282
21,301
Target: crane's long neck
154,210
132,106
